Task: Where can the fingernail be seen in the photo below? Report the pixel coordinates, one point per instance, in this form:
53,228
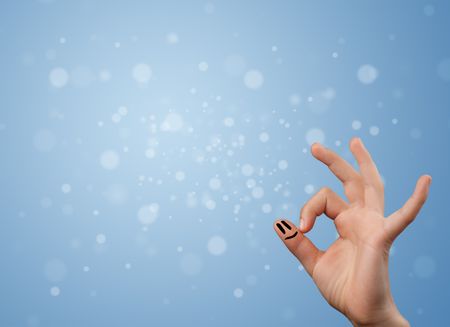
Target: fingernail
302,224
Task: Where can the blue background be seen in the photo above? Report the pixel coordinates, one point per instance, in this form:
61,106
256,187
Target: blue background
188,142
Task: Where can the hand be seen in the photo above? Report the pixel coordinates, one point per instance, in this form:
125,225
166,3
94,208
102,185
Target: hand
352,274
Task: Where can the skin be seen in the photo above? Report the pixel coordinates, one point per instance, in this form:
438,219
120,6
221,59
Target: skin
352,274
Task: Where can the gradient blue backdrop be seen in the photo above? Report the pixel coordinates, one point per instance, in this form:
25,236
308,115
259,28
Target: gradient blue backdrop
132,133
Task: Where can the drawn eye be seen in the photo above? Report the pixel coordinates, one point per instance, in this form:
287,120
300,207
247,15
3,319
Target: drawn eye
280,227
286,225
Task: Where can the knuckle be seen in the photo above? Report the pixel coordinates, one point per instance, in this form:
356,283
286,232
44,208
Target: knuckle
325,191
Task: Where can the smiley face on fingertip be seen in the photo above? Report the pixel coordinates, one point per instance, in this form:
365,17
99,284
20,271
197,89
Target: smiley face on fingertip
281,228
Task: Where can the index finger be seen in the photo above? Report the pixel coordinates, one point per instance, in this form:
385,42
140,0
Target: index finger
342,170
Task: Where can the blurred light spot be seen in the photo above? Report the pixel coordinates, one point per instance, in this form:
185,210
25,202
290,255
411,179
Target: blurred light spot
191,264
367,74
320,102
55,271
148,214
374,130
253,79
67,210
109,160
209,204
203,66
264,137
150,153
55,291
58,77
81,76
247,170
209,8
250,183
100,238
217,245
123,111
282,164
238,293
172,123
116,194
142,73
415,133
228,122
180,176
46,203
215,183
424,267
44,140
234,65
295,100
105,75
266,208
315,135
172,38
309,188
66,188
356,125
258,192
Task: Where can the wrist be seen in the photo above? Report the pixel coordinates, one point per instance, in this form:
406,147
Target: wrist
394,319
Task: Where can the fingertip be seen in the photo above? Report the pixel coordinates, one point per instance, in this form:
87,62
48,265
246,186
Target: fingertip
304,230
286,230
422,188
318,151
354,143
281,225
427,183
302,224
425,179
305,225
275,225
315,148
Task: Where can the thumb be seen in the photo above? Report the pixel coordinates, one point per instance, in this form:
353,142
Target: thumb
300,246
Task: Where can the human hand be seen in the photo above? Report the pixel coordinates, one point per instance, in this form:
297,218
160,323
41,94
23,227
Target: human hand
352,274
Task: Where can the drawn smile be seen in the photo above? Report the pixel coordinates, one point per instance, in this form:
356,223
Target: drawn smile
292,236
